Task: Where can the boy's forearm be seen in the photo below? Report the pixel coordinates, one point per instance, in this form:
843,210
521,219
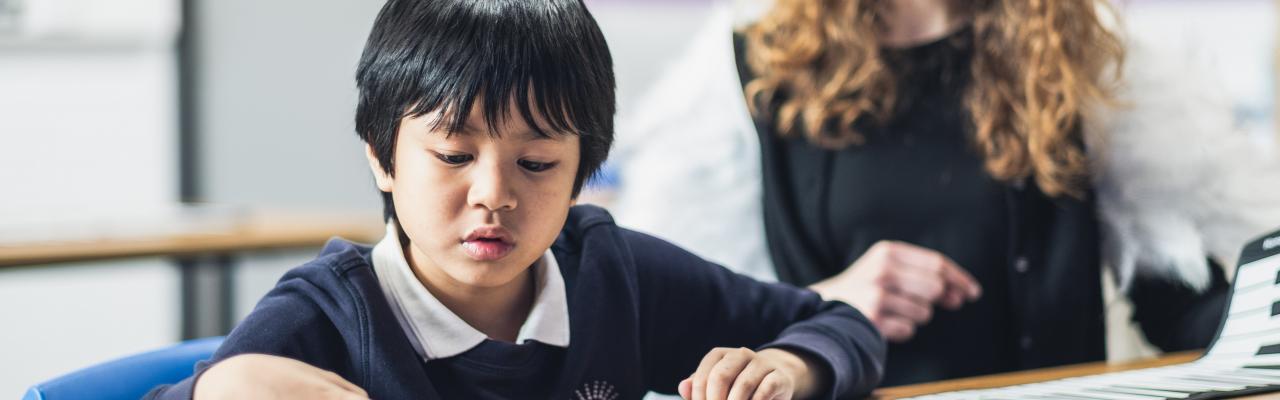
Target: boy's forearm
183,390
810,376
843,348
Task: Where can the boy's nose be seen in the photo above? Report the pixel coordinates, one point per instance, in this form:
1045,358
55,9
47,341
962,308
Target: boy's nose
490,189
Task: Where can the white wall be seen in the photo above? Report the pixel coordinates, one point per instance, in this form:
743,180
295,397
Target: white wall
1232,40
87,129
59,319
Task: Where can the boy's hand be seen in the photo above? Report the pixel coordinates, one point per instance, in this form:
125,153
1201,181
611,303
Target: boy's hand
742,374
260,376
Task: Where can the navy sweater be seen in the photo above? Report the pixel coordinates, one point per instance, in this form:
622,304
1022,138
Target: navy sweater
642,315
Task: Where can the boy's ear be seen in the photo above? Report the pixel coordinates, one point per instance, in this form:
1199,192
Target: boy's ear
380,176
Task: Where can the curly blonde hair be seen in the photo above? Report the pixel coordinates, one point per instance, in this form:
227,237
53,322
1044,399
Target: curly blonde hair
1037,67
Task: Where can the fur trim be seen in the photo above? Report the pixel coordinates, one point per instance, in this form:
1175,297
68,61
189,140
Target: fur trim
1175,179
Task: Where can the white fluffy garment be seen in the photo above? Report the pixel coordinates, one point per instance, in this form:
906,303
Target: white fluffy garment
1176,179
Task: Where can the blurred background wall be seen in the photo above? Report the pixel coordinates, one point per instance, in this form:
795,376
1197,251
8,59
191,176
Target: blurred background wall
88,130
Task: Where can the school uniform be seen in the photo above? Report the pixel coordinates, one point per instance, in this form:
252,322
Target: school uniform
617,313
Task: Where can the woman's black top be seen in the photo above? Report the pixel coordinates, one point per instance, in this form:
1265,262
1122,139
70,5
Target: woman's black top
918,178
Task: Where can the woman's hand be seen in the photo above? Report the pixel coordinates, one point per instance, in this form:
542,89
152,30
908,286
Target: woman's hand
742,374
260,376
896,284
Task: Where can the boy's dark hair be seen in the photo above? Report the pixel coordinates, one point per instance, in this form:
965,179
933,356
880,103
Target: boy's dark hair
546,57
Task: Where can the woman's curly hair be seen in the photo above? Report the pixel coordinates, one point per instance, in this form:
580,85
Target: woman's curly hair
1038,66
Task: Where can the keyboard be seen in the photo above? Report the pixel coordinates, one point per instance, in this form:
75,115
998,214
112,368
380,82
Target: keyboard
1243,359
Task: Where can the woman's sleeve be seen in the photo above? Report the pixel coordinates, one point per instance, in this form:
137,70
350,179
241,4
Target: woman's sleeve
688,150
1176,317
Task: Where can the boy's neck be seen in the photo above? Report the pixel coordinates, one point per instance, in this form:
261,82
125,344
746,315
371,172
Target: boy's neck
497,312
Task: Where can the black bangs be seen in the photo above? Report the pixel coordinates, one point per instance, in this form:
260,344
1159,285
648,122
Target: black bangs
508,53
547,59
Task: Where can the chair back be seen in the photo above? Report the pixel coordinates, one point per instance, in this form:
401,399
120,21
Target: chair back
130,377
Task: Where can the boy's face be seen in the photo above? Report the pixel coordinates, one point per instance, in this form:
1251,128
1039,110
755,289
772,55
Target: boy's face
478,210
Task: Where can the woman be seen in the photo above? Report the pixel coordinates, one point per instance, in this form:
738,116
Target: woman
928,162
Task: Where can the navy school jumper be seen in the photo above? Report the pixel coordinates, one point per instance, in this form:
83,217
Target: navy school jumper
642,315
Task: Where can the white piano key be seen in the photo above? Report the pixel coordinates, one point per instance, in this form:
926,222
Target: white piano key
1254,273
1242,345
1215,385
1236,358
990,394
1244,373
1240,379
1194,388
1094,391
1151,392
1250,325
1243,359
1117,395
1179,384
1253,298
1245,297
999,397
1265,377
1256,311
1102,382
961,395
1038,392
1266,359
1232,351
1275,373
1086,390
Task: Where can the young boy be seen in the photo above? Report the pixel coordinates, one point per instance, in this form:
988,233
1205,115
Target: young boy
482,121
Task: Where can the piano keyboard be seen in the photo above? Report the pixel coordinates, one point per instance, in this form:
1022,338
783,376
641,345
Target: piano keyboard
1244,358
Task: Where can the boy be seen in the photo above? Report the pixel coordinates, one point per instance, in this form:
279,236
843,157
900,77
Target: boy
482,121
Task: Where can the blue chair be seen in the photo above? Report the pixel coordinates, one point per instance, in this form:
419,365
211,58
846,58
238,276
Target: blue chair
129,377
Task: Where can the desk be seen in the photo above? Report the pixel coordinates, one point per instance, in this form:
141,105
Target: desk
1038,375
201,240
194,235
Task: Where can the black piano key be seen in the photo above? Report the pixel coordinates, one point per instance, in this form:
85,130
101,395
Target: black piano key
1215,384
1240,379
1176,394
1261,366
1278,277
1165,384
1121,391
1269,349
1257,373
1275,308
1232,393
1154,387
1065,396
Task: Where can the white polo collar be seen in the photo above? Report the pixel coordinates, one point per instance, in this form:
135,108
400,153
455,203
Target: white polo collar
436,332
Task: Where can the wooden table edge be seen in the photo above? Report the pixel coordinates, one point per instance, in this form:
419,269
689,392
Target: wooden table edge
1030,376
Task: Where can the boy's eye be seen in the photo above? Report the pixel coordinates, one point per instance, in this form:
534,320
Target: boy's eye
535,166
454,159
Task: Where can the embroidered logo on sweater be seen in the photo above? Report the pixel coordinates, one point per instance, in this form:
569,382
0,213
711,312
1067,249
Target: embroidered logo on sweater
596,390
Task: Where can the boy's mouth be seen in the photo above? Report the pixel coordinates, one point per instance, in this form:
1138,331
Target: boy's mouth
488,243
